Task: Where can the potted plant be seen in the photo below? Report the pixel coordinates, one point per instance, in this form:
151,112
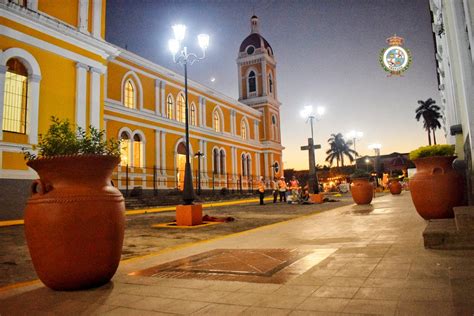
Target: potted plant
436,187
74,219
362,190
394,184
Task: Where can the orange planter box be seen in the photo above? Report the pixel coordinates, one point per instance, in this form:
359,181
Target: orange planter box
188,215
316,198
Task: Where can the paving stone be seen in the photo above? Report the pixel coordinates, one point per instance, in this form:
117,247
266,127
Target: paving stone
379,307
323,304
335,292
380,293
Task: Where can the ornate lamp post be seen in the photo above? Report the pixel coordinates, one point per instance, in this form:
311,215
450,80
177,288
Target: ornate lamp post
310,116
183,57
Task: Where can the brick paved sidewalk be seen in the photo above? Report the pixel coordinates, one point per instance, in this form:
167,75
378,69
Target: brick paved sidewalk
353,259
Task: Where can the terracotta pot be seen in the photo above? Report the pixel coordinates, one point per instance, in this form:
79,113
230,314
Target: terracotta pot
395,187
362,191
74,221
436,188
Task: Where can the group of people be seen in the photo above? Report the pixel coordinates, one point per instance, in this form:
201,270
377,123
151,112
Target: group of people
291,191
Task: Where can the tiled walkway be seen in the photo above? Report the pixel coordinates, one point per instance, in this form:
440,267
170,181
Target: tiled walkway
358,260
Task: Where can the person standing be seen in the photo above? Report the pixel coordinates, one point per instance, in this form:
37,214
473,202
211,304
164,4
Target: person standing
282,187
275,189
261,190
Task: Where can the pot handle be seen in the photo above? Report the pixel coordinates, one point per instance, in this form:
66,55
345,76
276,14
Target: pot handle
38,187
437,170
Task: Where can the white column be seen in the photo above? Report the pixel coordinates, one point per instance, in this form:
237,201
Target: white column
94,118
81,95
232,122
257,162
3,70
97,18
163,152
33,105
232,159
203,111
163,98
157,151
83,16
264,77
239,69
265,170
206,154
32,5
157,96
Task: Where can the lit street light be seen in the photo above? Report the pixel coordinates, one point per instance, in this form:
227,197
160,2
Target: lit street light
182,57
309,115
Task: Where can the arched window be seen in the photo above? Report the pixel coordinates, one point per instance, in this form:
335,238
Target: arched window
169,107
270,83
181,109
249,165
222,161
252,82
244,165
274,128
217,121
130,95
243,129
137,151
15,97
125,152
192,114
215,155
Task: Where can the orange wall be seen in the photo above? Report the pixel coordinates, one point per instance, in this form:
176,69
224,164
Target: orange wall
64,10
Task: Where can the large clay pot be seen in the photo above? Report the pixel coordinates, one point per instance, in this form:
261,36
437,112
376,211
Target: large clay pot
74,221
362,191
395,187
436,187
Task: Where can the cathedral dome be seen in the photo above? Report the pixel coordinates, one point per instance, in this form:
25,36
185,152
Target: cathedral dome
254,41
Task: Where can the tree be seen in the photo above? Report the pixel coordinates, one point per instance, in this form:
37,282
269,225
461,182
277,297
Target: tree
338,149
430,112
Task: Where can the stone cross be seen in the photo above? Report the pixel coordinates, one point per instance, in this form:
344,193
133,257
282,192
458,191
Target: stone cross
313,178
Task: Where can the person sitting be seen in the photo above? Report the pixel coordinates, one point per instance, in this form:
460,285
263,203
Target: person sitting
294,188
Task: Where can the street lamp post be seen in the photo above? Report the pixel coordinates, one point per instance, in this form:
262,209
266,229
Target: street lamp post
198,155
354,136
183,57
310,116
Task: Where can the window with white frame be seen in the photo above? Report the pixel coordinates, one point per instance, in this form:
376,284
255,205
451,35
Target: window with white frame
15,97
192,114
130,95
217,121
125,149
252,82
243,129
138,159
169,107
180,109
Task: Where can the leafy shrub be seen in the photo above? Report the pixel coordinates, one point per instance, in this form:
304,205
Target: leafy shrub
431,151
61,139
360,174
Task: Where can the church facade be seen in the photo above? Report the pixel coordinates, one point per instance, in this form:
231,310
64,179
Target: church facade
54,61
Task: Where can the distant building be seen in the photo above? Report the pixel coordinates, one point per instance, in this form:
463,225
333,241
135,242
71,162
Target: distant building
453,27
54,61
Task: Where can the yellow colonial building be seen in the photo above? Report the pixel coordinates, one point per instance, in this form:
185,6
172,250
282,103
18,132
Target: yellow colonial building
54,61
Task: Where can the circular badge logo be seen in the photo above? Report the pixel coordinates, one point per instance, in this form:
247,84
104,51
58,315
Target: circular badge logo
395,59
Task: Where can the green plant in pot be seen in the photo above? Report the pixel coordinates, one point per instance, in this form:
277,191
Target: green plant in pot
74,219
436,187
394,184
361,189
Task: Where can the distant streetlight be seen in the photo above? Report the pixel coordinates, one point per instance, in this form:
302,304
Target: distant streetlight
367,161
376,148
183,58
309,115
354,136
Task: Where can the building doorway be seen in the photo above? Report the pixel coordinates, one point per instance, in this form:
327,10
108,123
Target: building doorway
180,163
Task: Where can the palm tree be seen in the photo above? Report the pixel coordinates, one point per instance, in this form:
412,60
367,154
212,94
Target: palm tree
430,112
338,149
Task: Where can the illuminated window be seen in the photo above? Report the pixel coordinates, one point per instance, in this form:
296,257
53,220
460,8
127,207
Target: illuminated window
217,122
15,97
137,151
129,95
125,149
169,107
252,82
192,115
180,109
222,161
243,130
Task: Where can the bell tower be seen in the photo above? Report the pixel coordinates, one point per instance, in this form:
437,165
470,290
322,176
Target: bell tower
257,81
